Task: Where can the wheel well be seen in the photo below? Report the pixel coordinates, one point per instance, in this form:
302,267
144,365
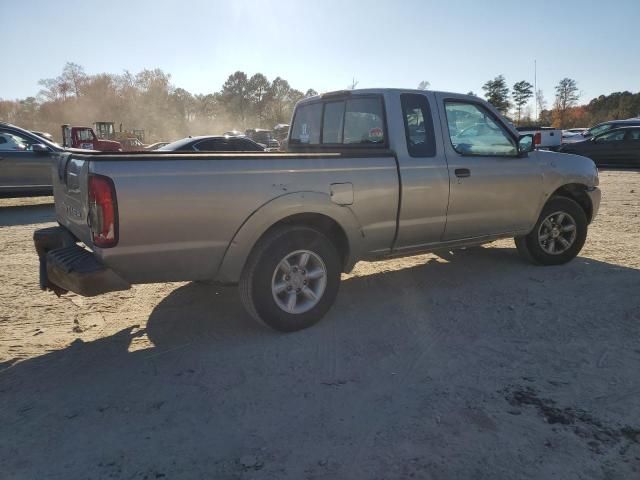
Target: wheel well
577,192
324,224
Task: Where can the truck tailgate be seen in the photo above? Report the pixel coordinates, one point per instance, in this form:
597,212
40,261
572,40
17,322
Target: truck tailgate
70,181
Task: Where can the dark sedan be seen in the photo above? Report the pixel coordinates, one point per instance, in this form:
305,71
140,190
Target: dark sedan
619,147
25,162
218,143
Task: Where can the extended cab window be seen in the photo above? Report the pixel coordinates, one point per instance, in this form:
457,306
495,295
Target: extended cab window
353,121
363,121
474,131
418,125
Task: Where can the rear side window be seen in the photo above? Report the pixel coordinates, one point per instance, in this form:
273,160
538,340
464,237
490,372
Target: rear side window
244,145
213,145
418,125
354,121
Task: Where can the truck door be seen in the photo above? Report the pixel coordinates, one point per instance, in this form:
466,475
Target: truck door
20,166
423,171
492,189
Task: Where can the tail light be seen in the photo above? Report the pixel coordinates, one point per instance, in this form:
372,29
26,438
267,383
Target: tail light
103,211
537,138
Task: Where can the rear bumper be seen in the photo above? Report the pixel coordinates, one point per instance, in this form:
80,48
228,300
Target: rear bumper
66,266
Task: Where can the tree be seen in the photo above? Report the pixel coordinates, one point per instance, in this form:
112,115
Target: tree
310,93
567,96
235,96
522,92
497,93
148,100
471,92
74,75
423,85
354,84
258,93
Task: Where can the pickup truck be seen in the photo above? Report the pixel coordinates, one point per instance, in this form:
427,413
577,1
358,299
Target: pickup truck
368,175
543,137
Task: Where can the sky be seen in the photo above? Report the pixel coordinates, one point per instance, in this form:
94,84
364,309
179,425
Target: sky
455,45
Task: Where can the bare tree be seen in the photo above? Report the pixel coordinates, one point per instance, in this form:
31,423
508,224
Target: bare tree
567,96
423,85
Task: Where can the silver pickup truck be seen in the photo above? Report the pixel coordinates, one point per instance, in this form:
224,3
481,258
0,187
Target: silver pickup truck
368,175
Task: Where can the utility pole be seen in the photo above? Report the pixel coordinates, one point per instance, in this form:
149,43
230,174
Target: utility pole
535,86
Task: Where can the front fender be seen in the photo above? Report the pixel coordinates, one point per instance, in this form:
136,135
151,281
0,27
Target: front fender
276,210
573,173
564,168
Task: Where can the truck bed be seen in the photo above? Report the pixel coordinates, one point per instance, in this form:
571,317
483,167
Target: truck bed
179,213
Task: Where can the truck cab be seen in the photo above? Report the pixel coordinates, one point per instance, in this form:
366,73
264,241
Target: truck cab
86,139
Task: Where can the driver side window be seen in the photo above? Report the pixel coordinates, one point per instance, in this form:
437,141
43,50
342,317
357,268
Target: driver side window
10,141
474,131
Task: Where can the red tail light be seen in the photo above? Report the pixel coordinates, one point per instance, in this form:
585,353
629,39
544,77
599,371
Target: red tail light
537,138
103,211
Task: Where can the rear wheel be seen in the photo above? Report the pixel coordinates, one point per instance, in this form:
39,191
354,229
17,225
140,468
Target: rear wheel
291,278
558,236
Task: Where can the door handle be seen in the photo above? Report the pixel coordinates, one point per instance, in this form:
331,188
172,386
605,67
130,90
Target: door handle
463,172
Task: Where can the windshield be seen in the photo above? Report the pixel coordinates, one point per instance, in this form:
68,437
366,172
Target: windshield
597,130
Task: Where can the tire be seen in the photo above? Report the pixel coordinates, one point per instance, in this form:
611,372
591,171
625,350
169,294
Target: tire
263,278
553,241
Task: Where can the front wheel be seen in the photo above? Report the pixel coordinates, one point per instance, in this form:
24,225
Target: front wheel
291,278
558,236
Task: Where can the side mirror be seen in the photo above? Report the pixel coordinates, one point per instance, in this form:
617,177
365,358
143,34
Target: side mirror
525,145
39,148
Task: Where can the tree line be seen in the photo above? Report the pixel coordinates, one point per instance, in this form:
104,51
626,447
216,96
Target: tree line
565,111
148,100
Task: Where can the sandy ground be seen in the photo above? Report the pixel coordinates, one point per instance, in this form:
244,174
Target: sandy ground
469,365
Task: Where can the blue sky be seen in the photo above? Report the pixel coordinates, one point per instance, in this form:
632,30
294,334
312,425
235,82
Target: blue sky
455,45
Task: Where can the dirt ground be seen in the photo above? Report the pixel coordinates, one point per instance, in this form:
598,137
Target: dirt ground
465,365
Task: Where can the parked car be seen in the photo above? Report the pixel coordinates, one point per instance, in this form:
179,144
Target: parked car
603,127
25,162
234,133
131,144
263,137
280,131
155,146
215,143
369,174
619,147
570,135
